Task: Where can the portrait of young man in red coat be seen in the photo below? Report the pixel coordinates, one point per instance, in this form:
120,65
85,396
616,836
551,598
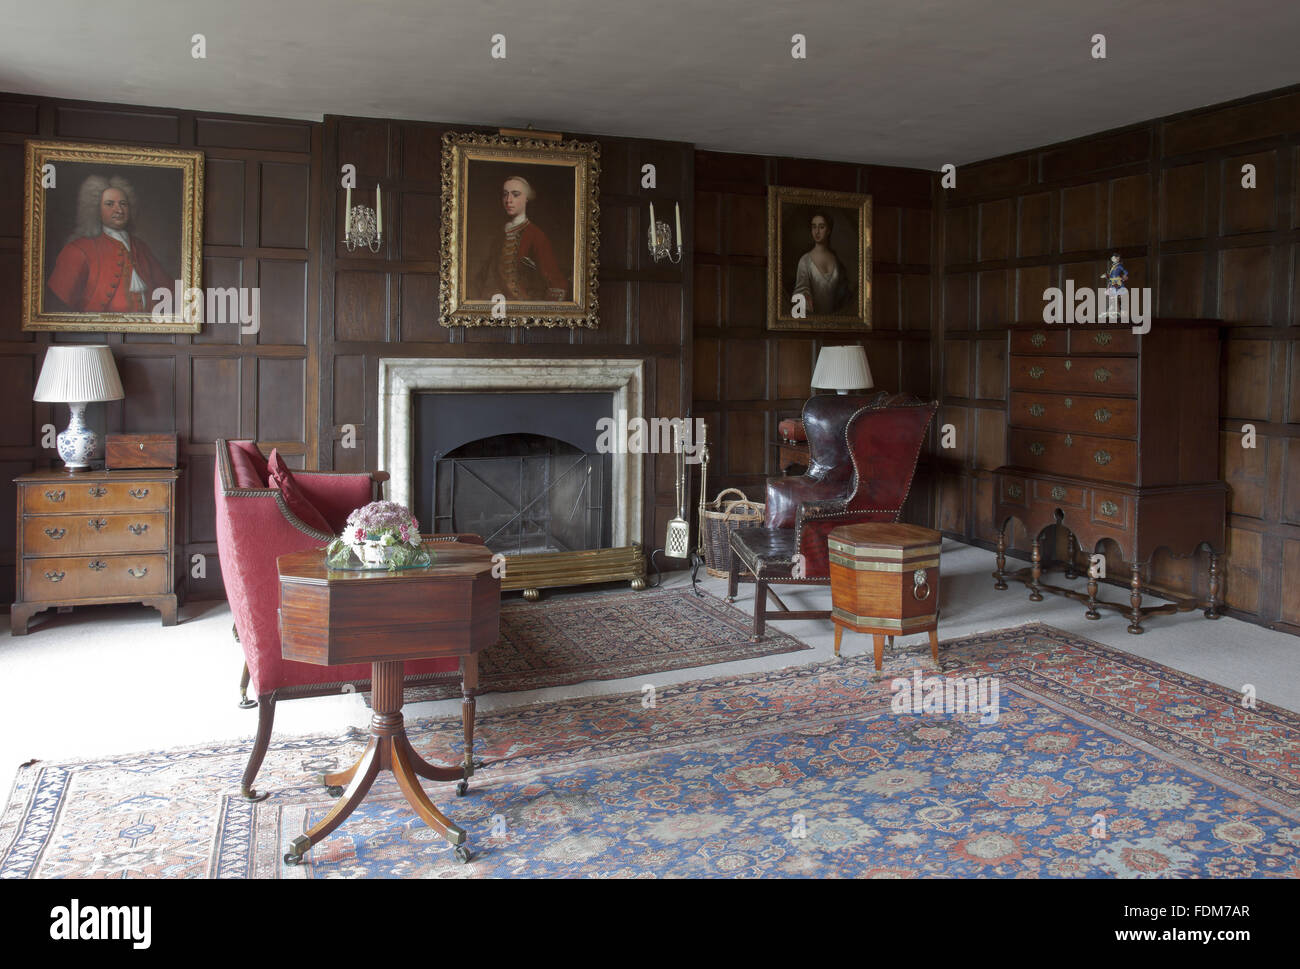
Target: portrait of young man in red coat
520,262
105,267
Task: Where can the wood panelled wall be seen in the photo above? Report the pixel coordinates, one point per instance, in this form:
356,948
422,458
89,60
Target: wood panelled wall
747,378
260,229
1168,196
386,303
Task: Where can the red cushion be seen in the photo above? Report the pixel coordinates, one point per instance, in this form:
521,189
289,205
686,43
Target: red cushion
282,477
248,464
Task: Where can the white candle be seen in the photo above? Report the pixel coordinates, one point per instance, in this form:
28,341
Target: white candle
679,224
654,230
347,213
379,213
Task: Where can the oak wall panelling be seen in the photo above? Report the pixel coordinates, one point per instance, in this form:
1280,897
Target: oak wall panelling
261,197
747,378
383,304
1168,195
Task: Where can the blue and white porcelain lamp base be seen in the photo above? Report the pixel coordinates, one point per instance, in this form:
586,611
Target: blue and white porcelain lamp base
77,443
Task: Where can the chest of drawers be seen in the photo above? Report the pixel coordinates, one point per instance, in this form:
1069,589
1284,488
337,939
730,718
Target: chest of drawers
1115,436
95,537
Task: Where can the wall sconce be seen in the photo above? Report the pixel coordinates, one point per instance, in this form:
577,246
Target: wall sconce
660,239
363,226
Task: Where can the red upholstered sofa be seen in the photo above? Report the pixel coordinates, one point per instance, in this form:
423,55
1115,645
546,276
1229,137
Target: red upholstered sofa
254,528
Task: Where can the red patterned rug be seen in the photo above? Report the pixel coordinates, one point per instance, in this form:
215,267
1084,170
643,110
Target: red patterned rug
609,636
1089,762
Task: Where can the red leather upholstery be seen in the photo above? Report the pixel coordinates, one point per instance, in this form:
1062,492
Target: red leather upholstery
254,528
880,445
829,469
884,445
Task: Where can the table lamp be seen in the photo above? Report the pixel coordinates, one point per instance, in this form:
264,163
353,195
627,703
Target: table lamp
842,369
76,376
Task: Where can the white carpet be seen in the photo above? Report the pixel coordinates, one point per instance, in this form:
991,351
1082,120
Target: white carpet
111,679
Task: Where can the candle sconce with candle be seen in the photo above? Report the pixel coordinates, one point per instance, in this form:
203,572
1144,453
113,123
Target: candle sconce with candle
660,238
363,226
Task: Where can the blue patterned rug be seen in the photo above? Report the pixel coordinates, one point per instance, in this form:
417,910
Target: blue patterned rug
1093,763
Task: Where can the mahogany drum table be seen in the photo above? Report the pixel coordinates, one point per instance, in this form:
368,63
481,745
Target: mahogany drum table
333,617
885,581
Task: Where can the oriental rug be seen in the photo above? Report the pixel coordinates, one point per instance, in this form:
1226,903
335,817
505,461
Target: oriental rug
1091,763
608,636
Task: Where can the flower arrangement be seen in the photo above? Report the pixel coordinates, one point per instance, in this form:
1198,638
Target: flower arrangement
382,534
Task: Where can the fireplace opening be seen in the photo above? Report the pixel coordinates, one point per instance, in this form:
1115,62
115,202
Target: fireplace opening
522,470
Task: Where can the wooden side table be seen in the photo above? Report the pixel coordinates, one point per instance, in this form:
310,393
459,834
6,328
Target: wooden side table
332,617
885,581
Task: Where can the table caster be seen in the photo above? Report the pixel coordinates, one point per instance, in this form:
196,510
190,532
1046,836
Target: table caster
334,790
461,788
291,859
463,854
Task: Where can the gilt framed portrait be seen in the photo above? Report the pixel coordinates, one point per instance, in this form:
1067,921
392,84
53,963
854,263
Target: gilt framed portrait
113,238
818,260
520,231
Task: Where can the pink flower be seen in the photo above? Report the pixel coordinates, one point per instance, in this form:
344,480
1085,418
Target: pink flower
361,535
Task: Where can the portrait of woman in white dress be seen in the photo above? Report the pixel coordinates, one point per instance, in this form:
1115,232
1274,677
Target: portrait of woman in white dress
819,259
820,277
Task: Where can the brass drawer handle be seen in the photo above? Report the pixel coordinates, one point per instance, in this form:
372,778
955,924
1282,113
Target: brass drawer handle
1069,402
1036,372
1069,364
1109,508
1101,339
96,491
1037,410
918,583
1101,415
138,493
1036,449
56,533
1102,457
1069,441
55,495
137,529
1058,493
139,573
55,576
1101,374
98,524
1038,339
97,565
1015,491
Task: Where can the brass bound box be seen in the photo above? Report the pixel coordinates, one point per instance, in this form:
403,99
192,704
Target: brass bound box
139,451
885,577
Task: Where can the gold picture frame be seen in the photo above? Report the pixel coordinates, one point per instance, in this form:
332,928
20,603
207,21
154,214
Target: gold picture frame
73,269
835,282
499,267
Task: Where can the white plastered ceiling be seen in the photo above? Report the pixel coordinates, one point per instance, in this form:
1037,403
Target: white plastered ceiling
919,83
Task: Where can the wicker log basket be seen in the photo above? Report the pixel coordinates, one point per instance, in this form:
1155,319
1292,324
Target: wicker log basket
717,519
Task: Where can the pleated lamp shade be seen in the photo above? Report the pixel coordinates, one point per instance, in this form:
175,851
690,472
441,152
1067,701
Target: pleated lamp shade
78,375
842,369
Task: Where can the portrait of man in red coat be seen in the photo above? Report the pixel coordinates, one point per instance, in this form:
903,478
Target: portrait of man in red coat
105,267
520,263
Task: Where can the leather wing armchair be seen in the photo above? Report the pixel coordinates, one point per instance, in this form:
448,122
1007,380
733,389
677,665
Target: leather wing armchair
829,470
255,526
863,463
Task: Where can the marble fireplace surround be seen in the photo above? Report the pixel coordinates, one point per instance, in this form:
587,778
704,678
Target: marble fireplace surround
400,377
